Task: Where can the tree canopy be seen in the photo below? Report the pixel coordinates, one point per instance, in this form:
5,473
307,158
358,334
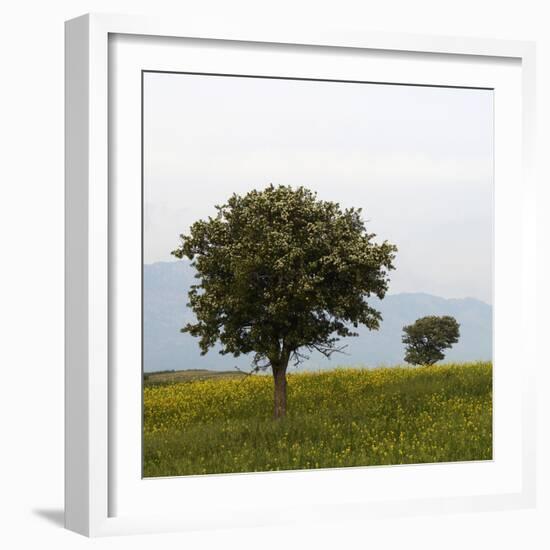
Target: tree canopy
427,337
282,273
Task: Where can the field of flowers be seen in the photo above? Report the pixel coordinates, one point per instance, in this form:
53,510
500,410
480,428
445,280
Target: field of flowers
338,418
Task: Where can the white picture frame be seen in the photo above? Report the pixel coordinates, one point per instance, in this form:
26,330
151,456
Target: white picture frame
92,397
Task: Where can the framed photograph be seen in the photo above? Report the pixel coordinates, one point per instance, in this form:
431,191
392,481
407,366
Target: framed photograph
298,276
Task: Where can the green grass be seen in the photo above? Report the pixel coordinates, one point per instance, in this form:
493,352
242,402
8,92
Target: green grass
339,418
190,375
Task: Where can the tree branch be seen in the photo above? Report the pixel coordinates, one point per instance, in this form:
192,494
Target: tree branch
327,351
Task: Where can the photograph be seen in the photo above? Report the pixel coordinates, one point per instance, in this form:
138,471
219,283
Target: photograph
317,274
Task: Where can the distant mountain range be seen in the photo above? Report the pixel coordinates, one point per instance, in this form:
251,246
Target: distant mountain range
165,287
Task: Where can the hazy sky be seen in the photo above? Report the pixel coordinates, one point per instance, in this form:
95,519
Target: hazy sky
419,161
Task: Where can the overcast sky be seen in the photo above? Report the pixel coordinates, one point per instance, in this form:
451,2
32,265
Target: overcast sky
419,161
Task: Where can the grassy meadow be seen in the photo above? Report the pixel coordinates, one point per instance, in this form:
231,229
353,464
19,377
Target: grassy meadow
196,423
190,375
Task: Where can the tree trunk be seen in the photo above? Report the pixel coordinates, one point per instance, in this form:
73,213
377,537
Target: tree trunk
279,379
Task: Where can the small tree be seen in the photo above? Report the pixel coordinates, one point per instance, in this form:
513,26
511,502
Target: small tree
281,273
427,337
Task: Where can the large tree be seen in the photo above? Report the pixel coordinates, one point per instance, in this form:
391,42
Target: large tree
281,274
427,337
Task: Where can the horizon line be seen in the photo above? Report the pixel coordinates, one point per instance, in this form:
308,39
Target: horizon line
387,294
